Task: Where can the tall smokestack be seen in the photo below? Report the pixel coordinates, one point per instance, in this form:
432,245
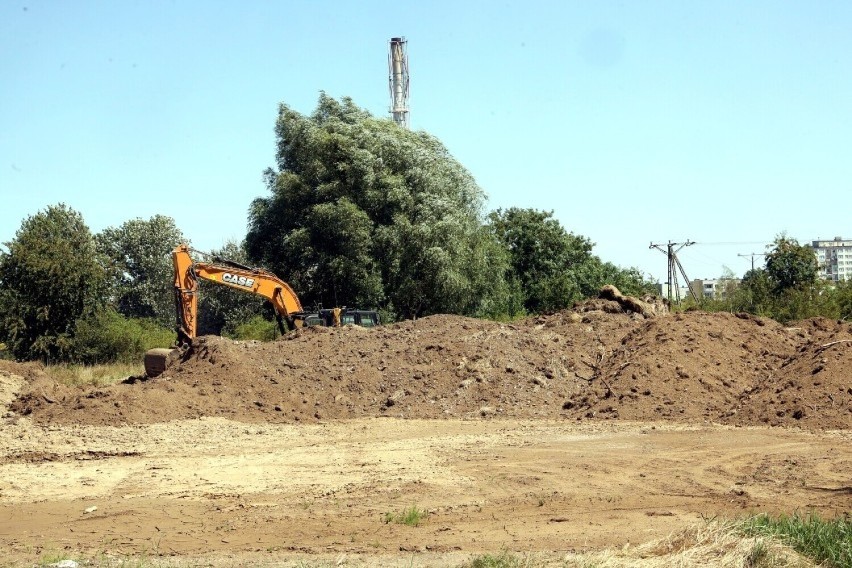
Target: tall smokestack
398,64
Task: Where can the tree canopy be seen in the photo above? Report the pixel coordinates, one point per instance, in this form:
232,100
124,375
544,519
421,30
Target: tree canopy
363,212
140,266
552,266
50,277
791,265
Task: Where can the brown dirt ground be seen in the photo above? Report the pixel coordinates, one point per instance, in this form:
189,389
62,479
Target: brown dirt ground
583,429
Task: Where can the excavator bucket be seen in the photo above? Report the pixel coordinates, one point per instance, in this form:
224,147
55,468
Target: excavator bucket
158,360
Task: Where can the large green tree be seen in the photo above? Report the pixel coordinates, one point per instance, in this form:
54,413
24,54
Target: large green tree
363,212
140,266
555,267
544,257
51,276
790,265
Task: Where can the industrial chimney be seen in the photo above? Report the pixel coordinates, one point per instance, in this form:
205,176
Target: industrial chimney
398,64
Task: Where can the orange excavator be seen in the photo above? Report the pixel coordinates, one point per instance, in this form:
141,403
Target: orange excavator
288,308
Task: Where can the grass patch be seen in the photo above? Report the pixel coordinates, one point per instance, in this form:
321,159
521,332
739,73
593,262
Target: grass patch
411,517
503,560
828,542
93,375
52,557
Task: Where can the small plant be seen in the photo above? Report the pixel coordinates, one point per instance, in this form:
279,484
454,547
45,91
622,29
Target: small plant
51,556
758,556
411,517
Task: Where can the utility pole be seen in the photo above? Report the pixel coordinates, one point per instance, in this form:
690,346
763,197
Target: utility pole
398,80
674,266
752,255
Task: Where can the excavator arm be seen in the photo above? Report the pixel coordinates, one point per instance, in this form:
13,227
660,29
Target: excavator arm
188,272
251,280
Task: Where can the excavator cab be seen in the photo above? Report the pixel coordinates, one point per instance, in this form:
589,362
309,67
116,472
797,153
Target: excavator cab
336,317
364,318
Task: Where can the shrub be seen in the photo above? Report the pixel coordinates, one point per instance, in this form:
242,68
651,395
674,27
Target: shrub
257,328
109,337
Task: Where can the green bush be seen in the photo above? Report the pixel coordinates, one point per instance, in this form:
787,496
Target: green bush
109,337
257,328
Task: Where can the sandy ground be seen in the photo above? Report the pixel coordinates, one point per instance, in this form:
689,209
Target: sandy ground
229,493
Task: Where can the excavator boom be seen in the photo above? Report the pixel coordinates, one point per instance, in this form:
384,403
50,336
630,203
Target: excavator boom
252,280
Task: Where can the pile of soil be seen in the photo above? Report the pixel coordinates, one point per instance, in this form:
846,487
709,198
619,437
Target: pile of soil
594,362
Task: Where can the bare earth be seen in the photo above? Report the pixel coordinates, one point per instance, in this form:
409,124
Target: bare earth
578,431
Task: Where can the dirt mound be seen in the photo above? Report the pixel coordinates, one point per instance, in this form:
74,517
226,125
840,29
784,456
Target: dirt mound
689,366
812,387
594,362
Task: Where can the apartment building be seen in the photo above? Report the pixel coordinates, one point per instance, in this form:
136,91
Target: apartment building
834,258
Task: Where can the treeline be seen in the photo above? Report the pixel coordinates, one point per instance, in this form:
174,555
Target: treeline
786,289
67,295
359,212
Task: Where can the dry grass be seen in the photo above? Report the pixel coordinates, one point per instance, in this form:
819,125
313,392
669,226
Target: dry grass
94,375
716,544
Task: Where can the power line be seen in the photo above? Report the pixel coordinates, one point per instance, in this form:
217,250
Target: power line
674,266
739,243
752,255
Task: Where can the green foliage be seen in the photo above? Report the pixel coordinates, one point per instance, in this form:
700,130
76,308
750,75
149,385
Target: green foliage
757,295
411,517
827,542
257,328
787,289
843,296
595,273
106,336
552,267
790,265
51,276
140,266
817,300
221,310
754,294
364,213
544,257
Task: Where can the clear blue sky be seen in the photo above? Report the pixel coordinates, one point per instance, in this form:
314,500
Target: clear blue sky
635,122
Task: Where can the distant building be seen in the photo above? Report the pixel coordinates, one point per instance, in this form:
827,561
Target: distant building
834,258
666,290
715,289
